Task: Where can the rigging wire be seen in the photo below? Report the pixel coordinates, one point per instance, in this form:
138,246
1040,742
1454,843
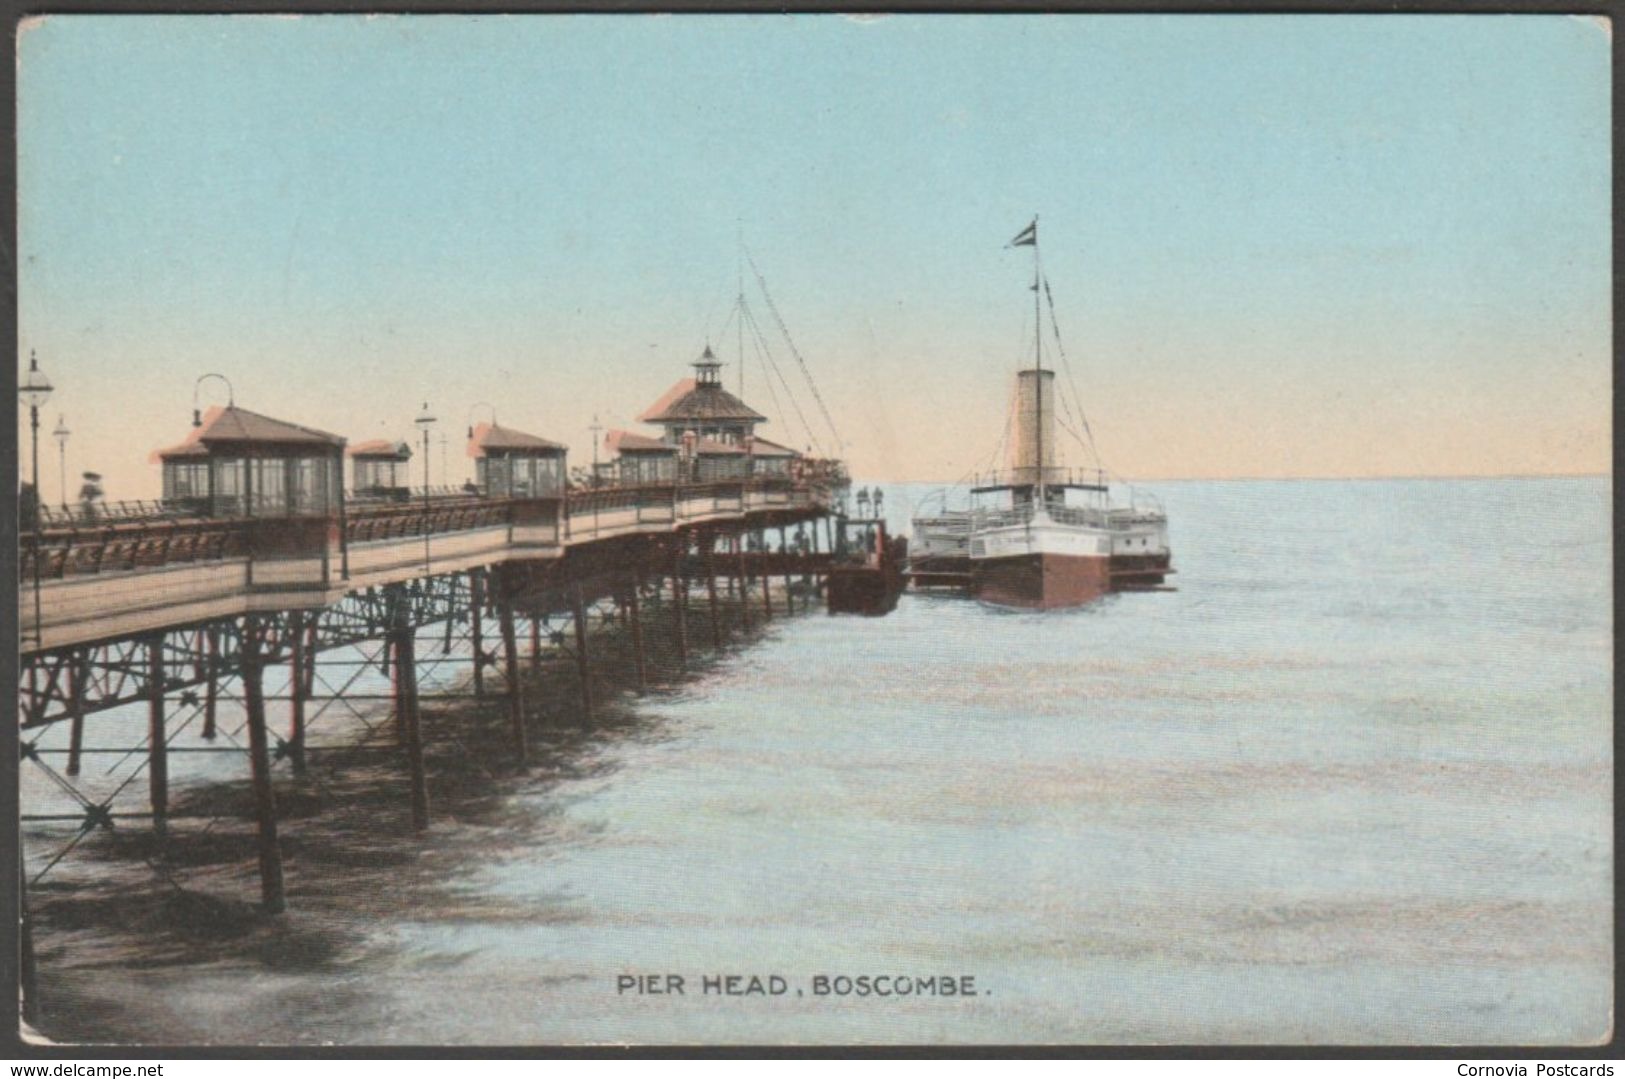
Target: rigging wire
1072,381
722,333
772,365
1065,412
840,445
761,358
1004,437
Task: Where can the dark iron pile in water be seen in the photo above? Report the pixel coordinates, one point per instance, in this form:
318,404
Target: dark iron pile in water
128,904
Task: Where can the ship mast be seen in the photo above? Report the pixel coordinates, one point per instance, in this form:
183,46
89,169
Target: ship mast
1038,376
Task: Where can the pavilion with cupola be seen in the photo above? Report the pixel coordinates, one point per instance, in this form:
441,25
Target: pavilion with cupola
707,435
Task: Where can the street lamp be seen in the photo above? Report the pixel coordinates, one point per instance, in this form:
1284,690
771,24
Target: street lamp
594,429
197,412
424,421
34,391
61,435
471,408
480,404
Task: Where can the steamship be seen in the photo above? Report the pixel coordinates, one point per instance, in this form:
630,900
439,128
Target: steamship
1038,535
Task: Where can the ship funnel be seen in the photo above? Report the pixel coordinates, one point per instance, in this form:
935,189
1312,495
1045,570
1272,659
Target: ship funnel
1035,427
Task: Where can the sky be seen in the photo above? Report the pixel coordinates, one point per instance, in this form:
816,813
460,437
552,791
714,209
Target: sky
1278,245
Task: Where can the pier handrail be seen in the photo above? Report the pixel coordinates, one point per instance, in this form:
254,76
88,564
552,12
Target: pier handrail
65,516
103,546
145,534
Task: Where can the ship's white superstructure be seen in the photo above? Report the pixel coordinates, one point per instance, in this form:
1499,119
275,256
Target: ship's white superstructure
1024,544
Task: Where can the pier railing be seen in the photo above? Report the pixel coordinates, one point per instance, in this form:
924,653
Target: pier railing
93,513
112,544
155,534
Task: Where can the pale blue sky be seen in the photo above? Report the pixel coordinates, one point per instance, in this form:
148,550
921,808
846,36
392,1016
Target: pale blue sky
1279,245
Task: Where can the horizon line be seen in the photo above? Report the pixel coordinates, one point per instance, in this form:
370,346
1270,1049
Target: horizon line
1320,478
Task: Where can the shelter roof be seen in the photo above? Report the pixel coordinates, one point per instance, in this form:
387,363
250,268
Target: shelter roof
688,401
381,447
489,437
761,447
630,442
230,426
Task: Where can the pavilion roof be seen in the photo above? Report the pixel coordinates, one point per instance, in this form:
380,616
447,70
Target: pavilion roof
631,442
230,426
761,447
709,447
489,437
381,447
688,401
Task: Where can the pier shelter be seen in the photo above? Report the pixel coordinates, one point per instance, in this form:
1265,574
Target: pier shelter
512,464
381,469
238,463
711,461
641,460
769,459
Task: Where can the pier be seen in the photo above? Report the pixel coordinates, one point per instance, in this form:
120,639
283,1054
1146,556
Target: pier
266,581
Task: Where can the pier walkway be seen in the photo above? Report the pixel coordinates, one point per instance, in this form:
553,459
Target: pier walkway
192,617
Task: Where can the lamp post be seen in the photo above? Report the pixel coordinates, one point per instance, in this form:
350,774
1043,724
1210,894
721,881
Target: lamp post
424,421
34,391
480,404
486,493
197,412
61,435
594,429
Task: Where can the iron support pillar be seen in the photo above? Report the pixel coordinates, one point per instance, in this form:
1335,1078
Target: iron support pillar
583,663
157,737
259,757
679,603
536,645
767,581
296,691
516,704
634,616
407,718
77,673
211,682
476,586
711,589
744,580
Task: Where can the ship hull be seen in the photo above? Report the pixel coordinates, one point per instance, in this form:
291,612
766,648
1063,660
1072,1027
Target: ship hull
1041,580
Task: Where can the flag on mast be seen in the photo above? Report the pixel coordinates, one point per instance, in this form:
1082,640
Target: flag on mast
1027,237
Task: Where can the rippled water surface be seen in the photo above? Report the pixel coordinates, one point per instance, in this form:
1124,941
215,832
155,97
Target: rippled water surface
1350,783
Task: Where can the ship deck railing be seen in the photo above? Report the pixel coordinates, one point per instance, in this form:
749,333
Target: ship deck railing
1085,516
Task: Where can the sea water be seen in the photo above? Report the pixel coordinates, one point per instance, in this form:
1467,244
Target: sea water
1351,782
